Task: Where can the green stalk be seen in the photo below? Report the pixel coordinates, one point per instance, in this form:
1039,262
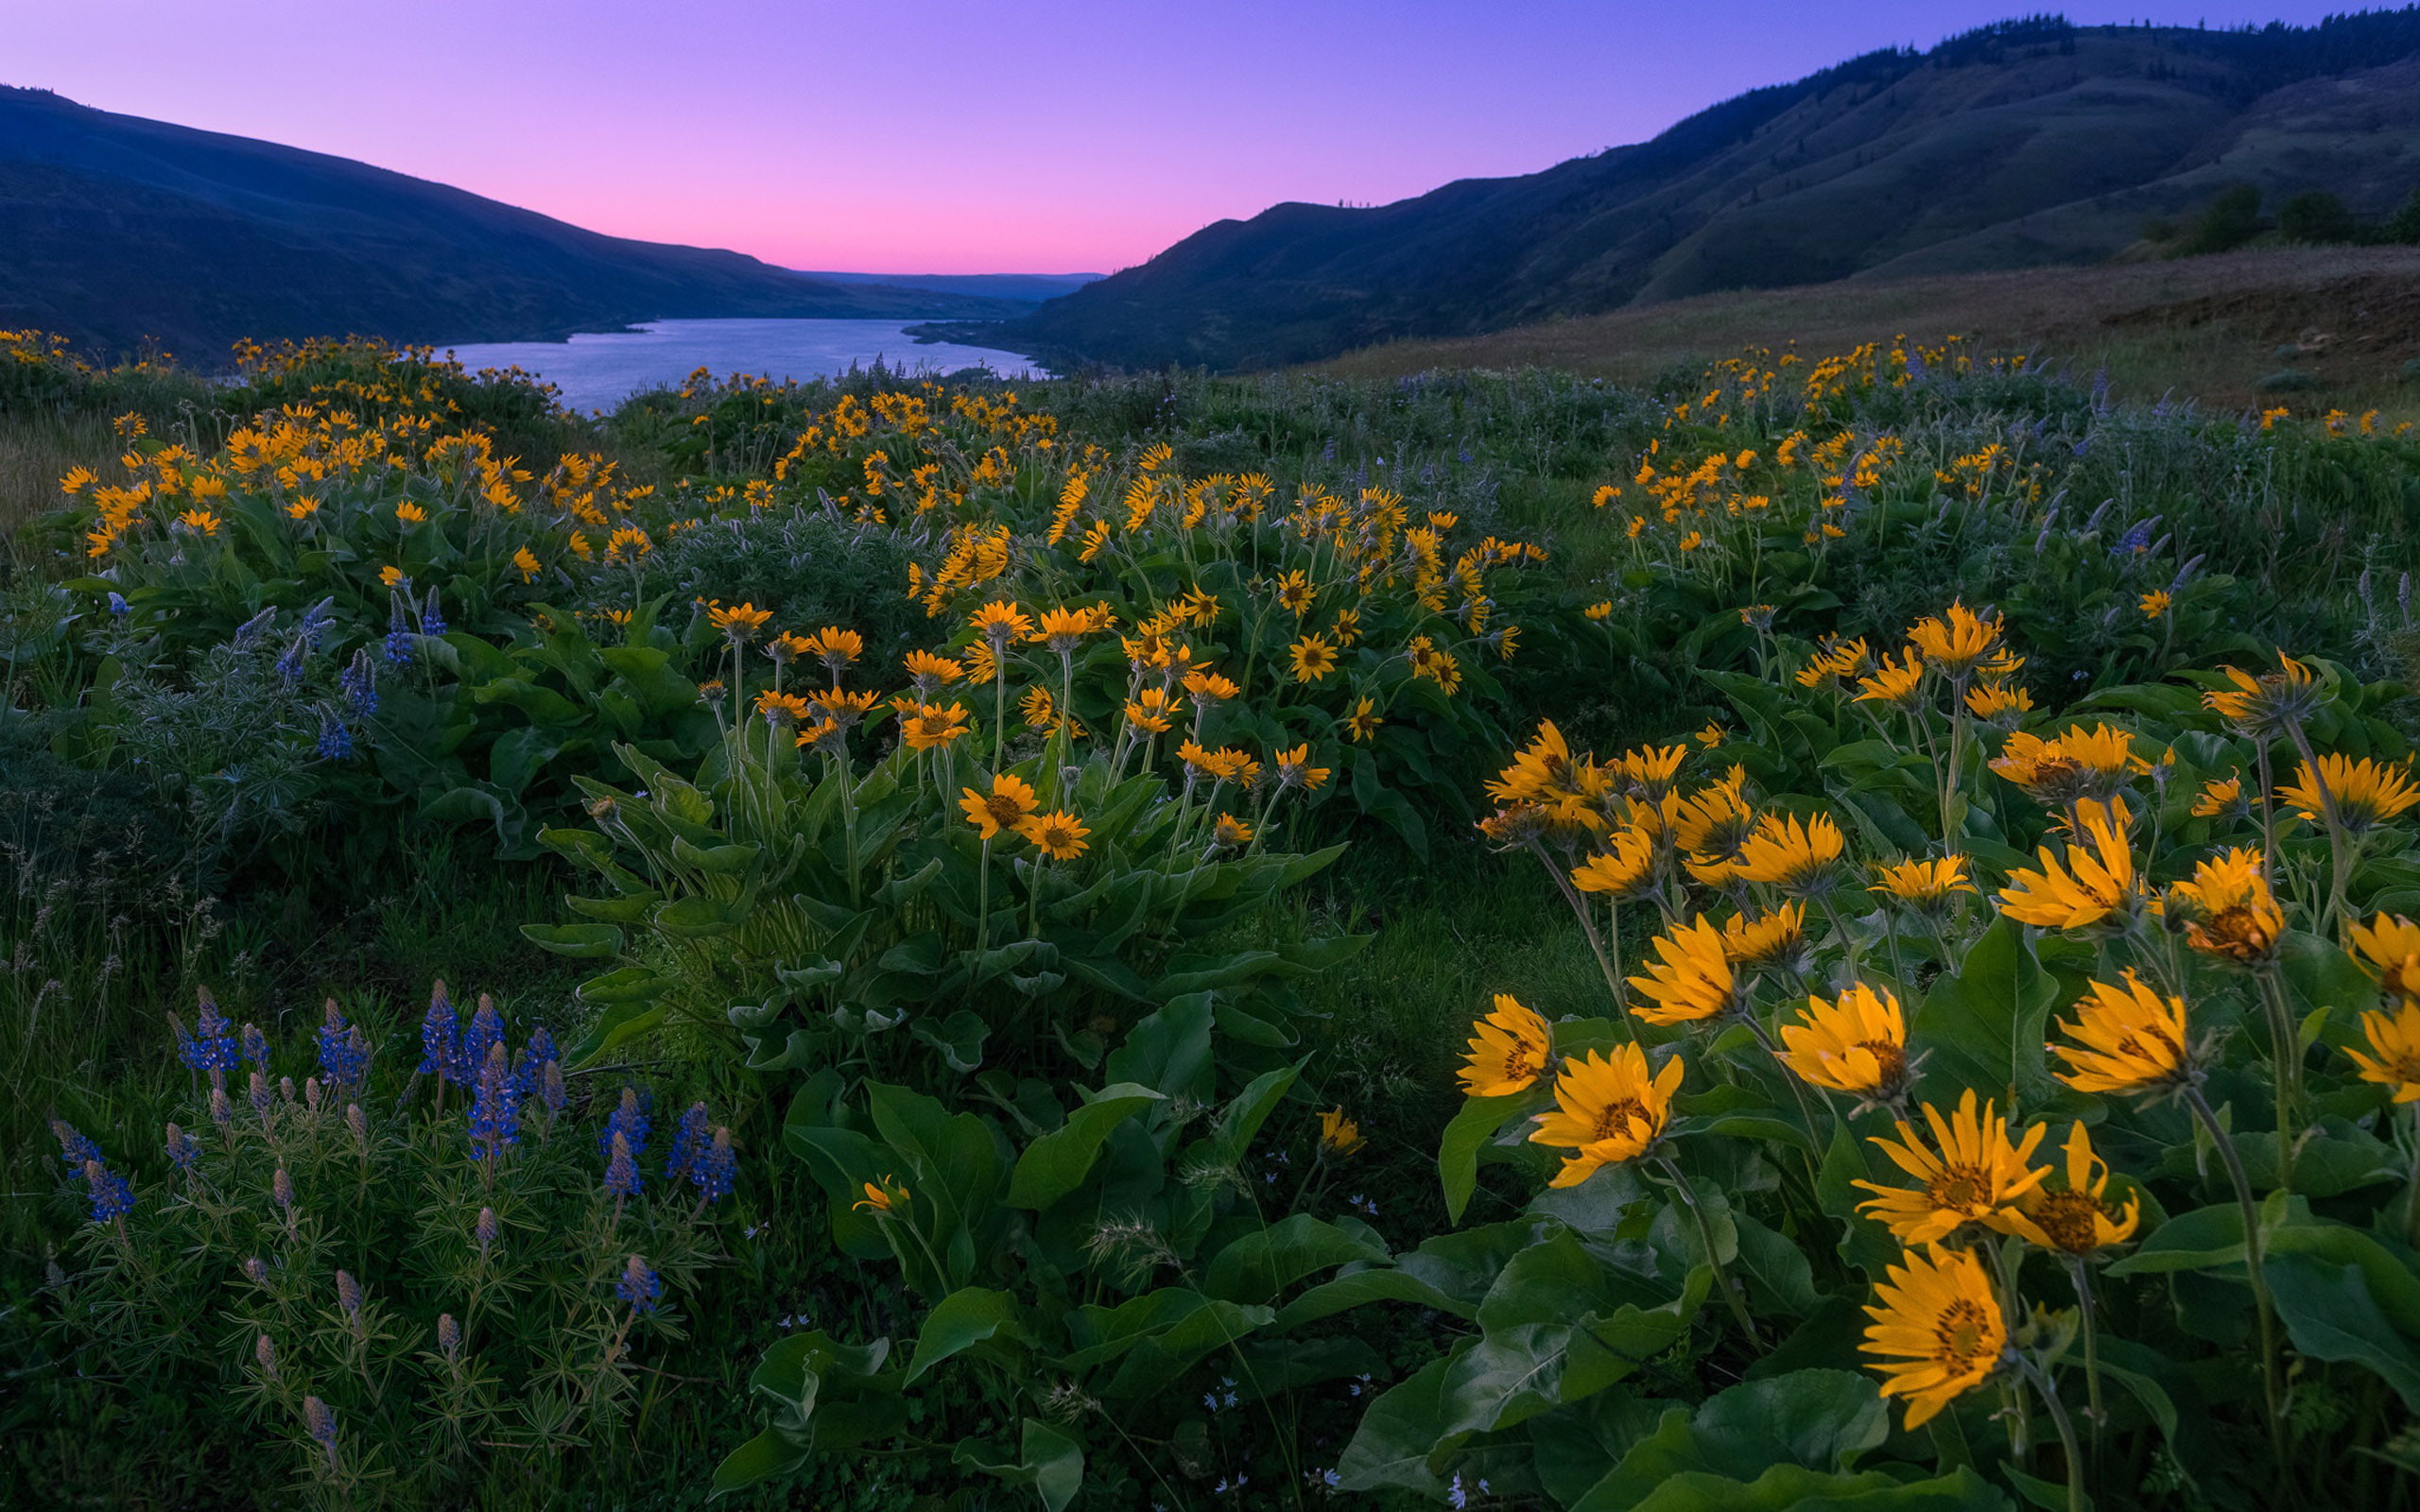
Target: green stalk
1713,1256
2289,1068
2272,1388
2083,1282
2049,1390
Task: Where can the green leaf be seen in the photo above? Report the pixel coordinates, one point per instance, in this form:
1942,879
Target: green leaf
1257,1266
1057,1163
1402,1437
1985,1023
767,1456
1169,1049
585,940
1817,1421
965,1318
2330,1314
1472,1125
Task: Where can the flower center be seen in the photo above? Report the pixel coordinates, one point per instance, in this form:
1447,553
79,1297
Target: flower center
1614,1119
1960,1187
2069,1219
1961,1332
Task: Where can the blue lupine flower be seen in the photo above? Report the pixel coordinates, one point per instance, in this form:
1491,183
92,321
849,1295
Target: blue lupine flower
117,604
551,1089
639,1286
256,1046
630,1121
360,684
251,630
712,1172
212,1048
74,1147
531,1072
431,622
289,666
484,1230
322,1419
689,1139
449,1335
343,1054
399,630
184,1150
440,1039
259,1090
335,741
314,620
2138,539
495,1115
111,1197
1916,368
348,1296
621,1168
485,1032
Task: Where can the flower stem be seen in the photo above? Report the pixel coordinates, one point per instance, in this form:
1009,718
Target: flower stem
2270,1389
2289,1079
2049,1390
1713,1256
2083,1281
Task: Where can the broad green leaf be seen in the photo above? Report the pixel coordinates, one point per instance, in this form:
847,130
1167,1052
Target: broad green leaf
1057,1163
586,940
1257,1266
1402,1438
1474,1123
963,1320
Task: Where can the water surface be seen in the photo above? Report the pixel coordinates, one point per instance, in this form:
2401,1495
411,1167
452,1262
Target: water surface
598,370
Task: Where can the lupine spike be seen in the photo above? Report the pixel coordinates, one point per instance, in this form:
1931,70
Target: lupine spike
348,1294
714,1169
639,1286
265,1353
485,1229
495,1117
256,1046
689,1138
112,1198
621,1170
73,1146
449,1335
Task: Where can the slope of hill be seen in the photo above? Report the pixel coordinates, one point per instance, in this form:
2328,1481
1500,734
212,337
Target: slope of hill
120,230
2026,145
2345,319
1025,288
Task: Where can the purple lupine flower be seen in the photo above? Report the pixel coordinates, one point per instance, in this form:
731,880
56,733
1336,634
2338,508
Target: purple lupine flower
689,1139
335,1050
484,1230
431,622
349,1297
258,1091
621,1170
639,1286
74,1147
441,1039
212,1049
713,1170
495,1114
628,1120
449,1335
111,1197
551,1090
322,1419
485,1030
336,741
184,1150
398,624
254,1046
529,1075
359,684
266,1354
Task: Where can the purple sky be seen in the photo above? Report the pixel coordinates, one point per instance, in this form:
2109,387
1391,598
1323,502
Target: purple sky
953,135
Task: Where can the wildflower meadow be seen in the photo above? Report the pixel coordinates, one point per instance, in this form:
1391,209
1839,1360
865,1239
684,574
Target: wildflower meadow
1835,931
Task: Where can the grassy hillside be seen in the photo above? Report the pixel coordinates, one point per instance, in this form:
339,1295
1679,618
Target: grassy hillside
123,231
2211,328
2028,145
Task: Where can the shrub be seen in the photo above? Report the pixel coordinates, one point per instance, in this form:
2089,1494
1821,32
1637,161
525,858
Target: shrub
2316,216
2232,219
400,1302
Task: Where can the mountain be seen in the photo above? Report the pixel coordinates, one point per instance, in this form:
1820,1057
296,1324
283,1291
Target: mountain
121,229
2023,145
1024,288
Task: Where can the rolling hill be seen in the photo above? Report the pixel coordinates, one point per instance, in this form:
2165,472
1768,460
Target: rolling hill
120,231
2025,145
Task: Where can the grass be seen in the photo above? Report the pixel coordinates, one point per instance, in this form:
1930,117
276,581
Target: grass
2207,328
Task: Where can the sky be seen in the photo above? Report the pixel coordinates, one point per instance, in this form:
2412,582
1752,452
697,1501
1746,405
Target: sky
960,136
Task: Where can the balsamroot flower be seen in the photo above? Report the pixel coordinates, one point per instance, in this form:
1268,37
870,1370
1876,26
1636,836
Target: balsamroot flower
1792,854
1925,885
1313,659
1057,836
1625,870
1001,623
1339,1135
2389,945
1608,1109
2130,1039
1508,1050
1857,1045
1776,939
2077,1218
2221,798
1004,808
2393,1061
1957,641
1690,978
883,1197
2368,793
1998,701
2076,764
2094,884
740,624
1895,684
1971,1173
933,726
2230,911
1938,1332
2270,704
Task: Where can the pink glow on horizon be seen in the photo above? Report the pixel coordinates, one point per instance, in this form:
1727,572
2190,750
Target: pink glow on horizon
951,136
